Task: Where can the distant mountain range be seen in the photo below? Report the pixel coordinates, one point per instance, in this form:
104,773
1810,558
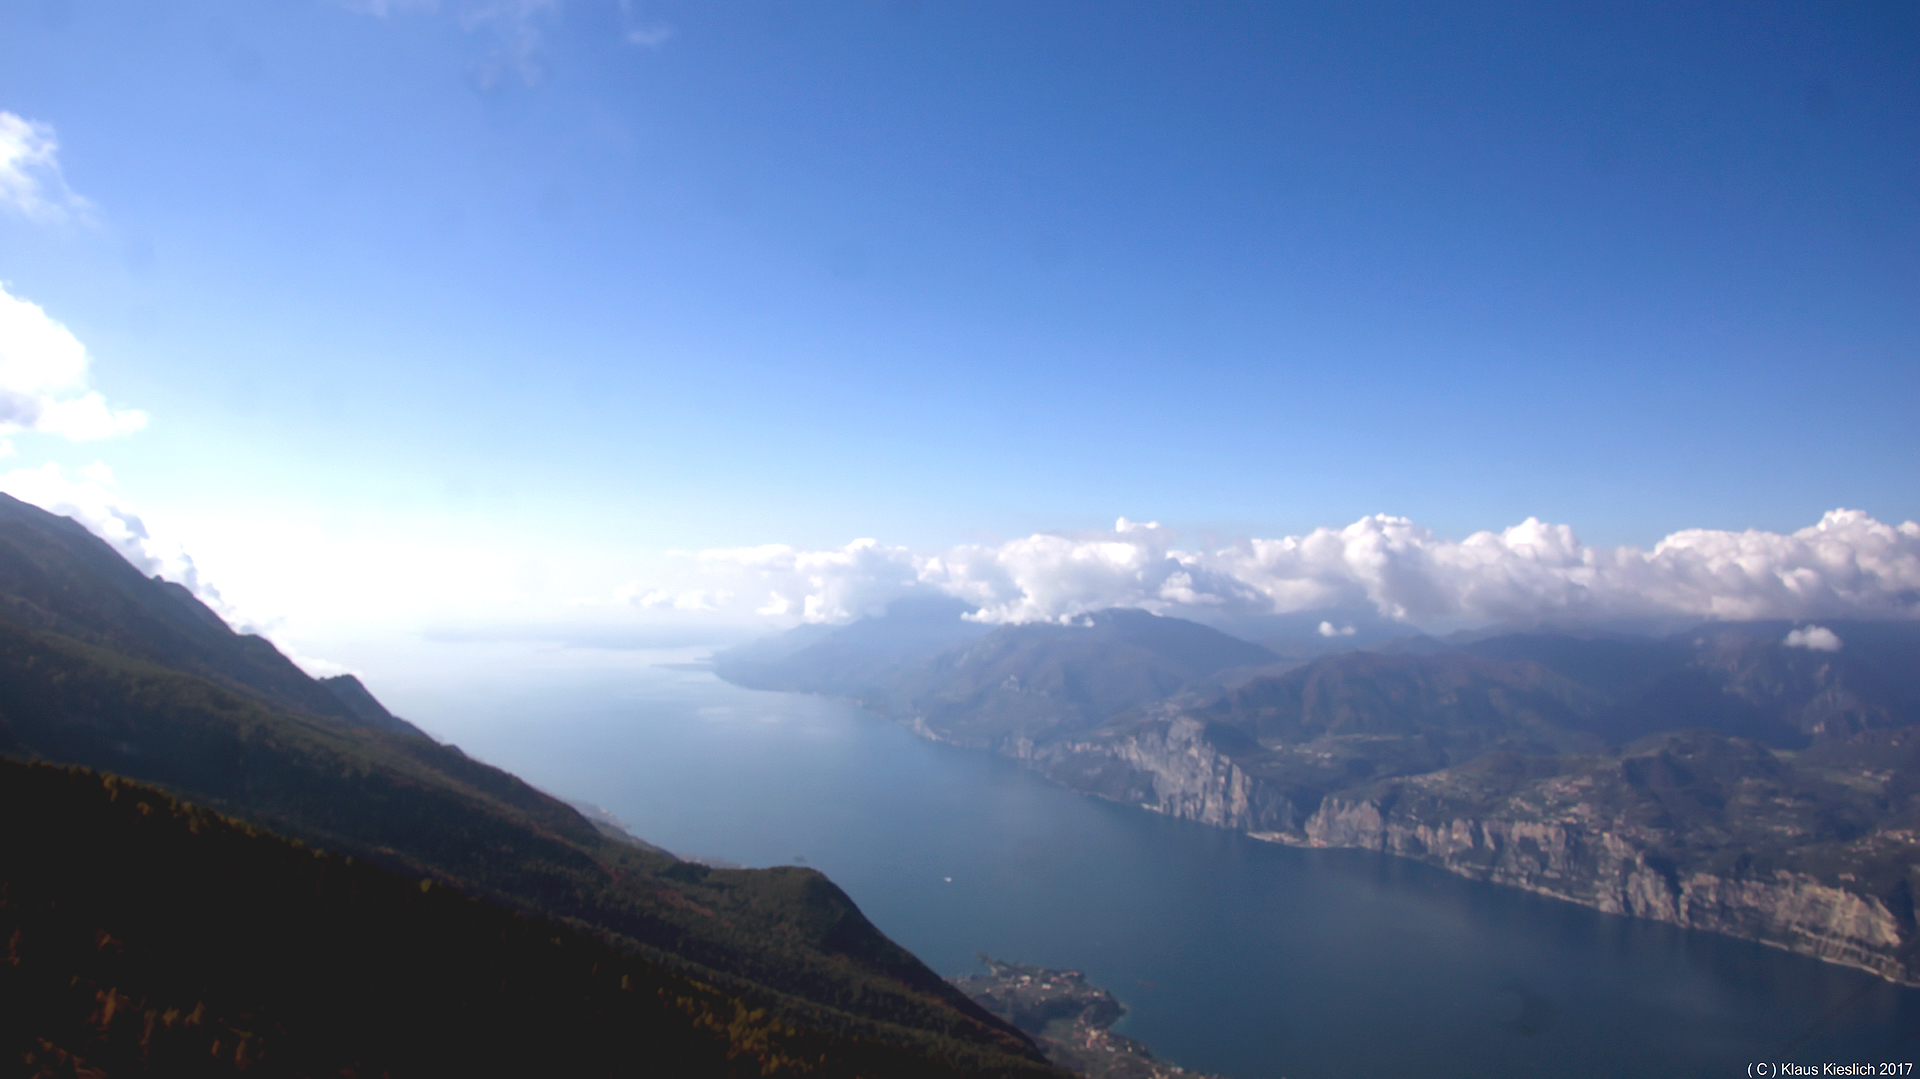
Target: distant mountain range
157,937
1721,777
992,687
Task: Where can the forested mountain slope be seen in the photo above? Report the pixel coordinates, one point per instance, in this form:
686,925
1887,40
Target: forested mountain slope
104,668
150,937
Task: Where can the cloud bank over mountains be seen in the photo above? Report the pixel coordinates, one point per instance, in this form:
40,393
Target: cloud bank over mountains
1848,565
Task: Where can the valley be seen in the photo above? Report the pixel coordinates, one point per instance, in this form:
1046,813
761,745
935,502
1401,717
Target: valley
949,852
1717,778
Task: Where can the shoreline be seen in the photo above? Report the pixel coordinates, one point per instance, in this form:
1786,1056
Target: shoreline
1892,966
1071,1019
1304,843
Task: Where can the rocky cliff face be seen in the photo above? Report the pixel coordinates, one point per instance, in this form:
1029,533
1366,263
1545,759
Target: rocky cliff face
1718,779
1617,874
1170,767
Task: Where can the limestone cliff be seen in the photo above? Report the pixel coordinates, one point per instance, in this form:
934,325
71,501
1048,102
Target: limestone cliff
1718,779
1567,836
1171,767
1620,875
1548,838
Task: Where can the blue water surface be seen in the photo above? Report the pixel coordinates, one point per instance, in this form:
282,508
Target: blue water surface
1232,955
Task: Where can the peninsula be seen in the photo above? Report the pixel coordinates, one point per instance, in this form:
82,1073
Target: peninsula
1069,1019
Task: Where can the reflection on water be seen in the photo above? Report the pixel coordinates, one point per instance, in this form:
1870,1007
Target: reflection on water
1234,956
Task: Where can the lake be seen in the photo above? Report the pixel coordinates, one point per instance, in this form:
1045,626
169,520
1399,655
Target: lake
1232,955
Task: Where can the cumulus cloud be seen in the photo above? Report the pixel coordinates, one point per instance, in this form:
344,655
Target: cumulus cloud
43,379
835,585
30,181
90,496
1846,565
1328,629
1814,639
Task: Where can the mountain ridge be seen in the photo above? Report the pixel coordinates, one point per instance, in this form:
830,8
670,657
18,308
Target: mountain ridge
58,577
105,668
1716,777
150,936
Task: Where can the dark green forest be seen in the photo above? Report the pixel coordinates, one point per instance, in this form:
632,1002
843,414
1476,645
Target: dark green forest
106,669
148,936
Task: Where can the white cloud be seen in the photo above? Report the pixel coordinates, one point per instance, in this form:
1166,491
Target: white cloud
1328,629
1813,638
818,586
43,379
1058,577
1847,565
30,181
90,496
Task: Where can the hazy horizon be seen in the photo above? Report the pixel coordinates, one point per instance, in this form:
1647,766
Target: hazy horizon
387,323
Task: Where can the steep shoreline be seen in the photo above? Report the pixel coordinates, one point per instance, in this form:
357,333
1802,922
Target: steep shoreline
1611,873
1169,767
1718,778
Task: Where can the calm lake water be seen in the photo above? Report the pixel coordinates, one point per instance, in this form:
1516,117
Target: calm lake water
1232,955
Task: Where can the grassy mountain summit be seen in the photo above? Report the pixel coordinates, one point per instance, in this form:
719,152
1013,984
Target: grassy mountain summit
104,668
1728,777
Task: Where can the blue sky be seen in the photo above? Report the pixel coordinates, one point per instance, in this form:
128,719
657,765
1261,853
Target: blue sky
520,296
